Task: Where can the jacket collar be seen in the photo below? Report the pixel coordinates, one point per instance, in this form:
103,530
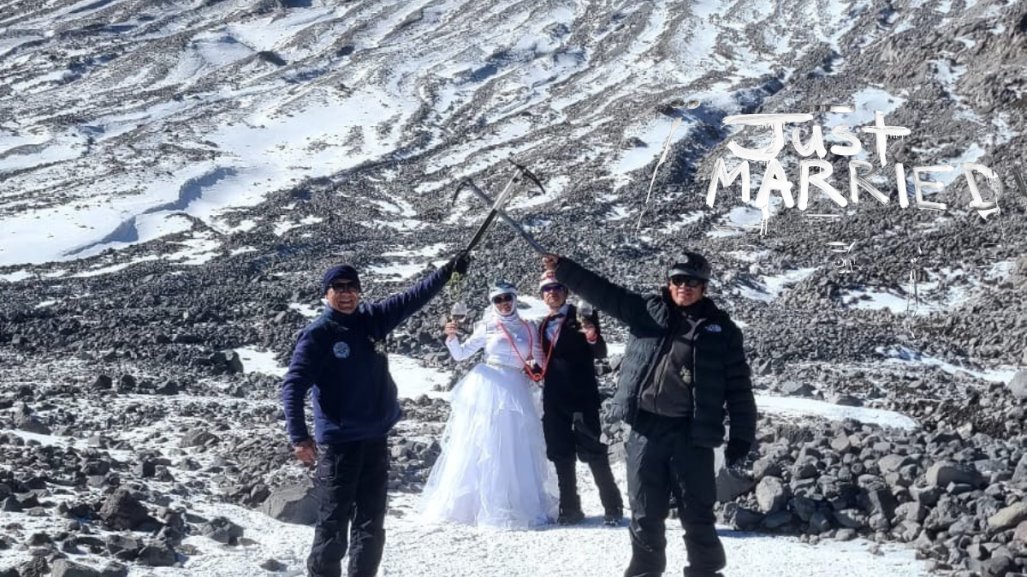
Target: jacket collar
705,308
343,319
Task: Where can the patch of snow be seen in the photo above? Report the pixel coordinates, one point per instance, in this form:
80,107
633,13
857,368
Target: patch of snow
530,307
402,271
285,226
652,135
258,361
196,251
112,268
1000,270
615,348
308,311
617,212
737,221
425,251
1003,132
18,275
771,287
899,354
682,221
811,407
413,379
865,103
870,299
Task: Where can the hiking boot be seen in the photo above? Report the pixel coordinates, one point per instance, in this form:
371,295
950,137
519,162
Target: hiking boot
570,516
613,517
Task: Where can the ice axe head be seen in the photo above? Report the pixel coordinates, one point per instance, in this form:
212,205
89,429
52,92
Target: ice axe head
530,176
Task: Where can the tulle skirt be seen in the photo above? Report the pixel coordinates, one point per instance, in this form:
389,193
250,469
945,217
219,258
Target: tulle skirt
493,469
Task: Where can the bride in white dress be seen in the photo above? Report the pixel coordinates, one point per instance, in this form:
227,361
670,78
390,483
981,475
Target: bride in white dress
493,469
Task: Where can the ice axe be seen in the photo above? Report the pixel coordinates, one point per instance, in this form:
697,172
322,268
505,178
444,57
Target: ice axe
506,218
499,202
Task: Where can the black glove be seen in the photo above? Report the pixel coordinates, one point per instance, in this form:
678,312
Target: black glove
460,262
736,451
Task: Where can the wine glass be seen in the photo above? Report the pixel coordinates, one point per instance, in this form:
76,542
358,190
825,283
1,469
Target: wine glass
458,313
585,311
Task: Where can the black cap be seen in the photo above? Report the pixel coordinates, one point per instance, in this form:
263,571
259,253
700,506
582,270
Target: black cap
691,264
341,272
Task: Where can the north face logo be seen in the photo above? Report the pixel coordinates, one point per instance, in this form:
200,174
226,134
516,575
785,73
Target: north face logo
714,328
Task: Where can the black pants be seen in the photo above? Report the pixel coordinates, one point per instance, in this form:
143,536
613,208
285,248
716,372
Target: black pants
352,479
572,431
662,458
575,431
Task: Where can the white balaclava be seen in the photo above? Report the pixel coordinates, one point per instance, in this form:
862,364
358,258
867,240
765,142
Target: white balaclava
503,288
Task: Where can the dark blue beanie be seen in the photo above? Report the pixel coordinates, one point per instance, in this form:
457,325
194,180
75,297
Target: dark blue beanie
340,272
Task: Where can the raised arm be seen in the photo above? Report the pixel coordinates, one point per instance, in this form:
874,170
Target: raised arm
627,306
474,343
387,314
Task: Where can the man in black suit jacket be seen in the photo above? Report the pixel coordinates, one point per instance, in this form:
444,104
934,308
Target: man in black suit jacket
570,402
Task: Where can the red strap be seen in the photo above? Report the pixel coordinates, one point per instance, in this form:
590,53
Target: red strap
513,345
552,343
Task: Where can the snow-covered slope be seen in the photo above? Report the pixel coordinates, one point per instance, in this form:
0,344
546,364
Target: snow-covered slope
123,113
174,176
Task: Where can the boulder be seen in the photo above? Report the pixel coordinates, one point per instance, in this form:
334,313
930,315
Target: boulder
892,463
31,424
943,473
1021,532
273,565
114,570
197,438
122,511
1009,517
222,530
292,504
65,568
35,567
123,547
1020,474
156,555
1018,385
731,486
771,494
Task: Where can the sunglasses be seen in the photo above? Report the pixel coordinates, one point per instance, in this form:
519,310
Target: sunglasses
552,287
503,298
345,287
688,281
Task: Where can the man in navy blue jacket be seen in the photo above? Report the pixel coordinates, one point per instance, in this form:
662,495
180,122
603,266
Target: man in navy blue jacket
340,357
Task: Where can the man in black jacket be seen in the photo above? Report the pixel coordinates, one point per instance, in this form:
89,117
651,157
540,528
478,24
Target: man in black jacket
570,403
684,364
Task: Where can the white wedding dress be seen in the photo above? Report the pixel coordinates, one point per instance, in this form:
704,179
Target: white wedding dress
493,469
